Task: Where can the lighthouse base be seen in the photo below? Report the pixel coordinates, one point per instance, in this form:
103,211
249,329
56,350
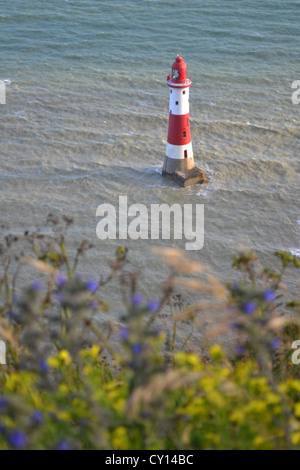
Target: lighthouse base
183,171
190,177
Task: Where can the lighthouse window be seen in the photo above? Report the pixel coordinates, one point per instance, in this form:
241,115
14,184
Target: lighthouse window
170,91
176,102
183,92
184,133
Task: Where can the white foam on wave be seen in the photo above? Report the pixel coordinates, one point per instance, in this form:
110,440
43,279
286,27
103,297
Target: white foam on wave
295,252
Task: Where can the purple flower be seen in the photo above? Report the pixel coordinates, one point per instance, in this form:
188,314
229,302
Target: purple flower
36,285
63,445
240,350
93,304
124,333
59,296
3,404
137,299
249,307
153,306
92,286
44,366
60,279
37,417
17,439
137,349
234,286
146,415
269,296
276,343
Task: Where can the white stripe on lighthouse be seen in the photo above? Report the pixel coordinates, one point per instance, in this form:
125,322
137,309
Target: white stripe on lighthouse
177,151
179,100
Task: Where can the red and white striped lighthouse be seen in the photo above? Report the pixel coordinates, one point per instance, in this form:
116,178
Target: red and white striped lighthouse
179,152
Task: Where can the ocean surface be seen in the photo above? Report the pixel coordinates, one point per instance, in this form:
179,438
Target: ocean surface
86,120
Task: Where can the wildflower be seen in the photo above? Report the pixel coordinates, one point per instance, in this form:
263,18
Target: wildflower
94,351
92,286
124,333
60,279
269,296
276,343
44,366
136,349
63,445
137,299
234,286
240,350
65,357
146,415
93,304
3,404
249,307
17,439
37,417
53,362
59,296
235,326
153,306
36,285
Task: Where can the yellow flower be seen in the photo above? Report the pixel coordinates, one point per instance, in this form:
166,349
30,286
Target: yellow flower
297,410
295,438
258,441
216,352
237,416
272,398
64,415
65,357
63,388
119,438
94,352
256,406
53,362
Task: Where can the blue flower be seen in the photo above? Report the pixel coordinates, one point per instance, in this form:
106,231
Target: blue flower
44,366
146,415
17,439
92,286
240,350
59,296
93,304
60,279
137,349
124,333
276,343
36,285
37,417
63,445
234,286
153,306
269,296
249,307
3,404
137,299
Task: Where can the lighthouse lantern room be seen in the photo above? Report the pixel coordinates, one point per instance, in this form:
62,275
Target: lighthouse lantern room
179,161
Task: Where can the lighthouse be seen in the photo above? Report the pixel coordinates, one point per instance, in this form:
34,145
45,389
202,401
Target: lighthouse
179,161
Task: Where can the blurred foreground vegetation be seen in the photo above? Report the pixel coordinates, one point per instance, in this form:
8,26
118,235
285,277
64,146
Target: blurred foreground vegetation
70,383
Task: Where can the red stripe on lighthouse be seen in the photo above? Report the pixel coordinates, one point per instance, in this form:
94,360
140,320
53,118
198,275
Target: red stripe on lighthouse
179,129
